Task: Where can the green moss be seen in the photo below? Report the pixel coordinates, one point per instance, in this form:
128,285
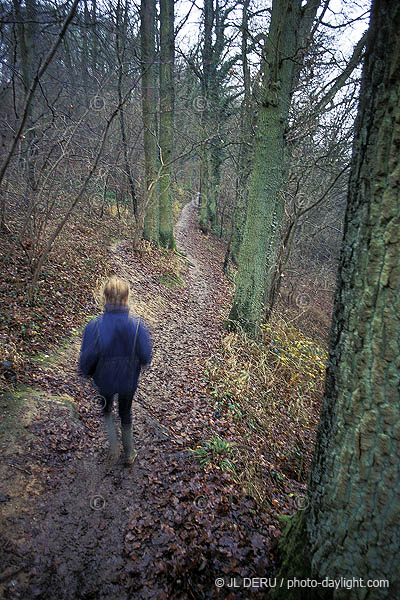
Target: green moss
17,406
52,359
11,408
294,559
171,280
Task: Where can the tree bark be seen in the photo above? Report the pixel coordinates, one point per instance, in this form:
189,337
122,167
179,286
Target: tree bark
207,60
151,203
120,40
26,31
167,52
33,86
352,527
85,52
246,117
268,166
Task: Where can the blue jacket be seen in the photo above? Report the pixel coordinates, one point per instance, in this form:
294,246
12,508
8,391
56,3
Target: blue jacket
106,352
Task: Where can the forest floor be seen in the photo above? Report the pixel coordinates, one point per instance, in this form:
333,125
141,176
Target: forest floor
75,526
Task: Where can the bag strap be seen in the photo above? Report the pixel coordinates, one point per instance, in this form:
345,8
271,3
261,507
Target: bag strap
134,341
97,333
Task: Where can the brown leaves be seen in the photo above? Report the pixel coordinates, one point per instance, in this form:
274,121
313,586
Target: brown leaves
195,522
63,295
175,527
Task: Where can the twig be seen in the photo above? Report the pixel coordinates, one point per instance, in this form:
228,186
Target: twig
20,468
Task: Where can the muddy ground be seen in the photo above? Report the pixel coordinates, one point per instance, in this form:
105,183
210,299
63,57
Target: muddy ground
74,526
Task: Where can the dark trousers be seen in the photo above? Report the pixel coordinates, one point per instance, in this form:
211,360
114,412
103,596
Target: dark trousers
124,407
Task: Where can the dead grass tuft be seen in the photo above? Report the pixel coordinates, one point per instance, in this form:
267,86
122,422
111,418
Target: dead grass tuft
271,391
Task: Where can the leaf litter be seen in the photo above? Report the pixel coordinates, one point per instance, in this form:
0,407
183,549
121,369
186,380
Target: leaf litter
168,526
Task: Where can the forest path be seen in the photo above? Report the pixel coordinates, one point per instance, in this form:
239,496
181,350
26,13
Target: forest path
100,531
178,318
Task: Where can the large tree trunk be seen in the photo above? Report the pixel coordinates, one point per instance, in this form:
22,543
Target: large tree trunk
85,52
151,204
243,168
208,69
120,41
266,179
27,44
166,120
215,163
204,180
352,527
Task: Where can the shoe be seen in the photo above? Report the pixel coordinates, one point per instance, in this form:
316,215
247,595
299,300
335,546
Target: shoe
111,432
130,453
131,459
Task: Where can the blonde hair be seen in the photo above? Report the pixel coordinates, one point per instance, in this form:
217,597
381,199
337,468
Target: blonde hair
115,291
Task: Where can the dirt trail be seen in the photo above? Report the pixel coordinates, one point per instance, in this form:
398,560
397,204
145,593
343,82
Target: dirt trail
199,284
95,536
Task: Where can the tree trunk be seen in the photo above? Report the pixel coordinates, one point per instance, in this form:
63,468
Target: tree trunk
215,159
352,527
27,34
147,33
268,167
29,97
204,183
167,52
246,116
120,40
85,52
207,60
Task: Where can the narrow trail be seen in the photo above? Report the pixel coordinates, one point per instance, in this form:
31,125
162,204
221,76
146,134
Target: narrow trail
177,322
106,532
199,282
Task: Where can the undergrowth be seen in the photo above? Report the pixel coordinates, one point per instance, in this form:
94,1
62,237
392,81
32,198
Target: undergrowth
68,287
64,293
270,390
218,452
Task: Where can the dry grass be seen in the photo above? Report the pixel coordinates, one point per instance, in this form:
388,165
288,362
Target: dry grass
271,390
63,296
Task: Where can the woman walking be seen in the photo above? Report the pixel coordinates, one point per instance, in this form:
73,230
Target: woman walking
115,347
